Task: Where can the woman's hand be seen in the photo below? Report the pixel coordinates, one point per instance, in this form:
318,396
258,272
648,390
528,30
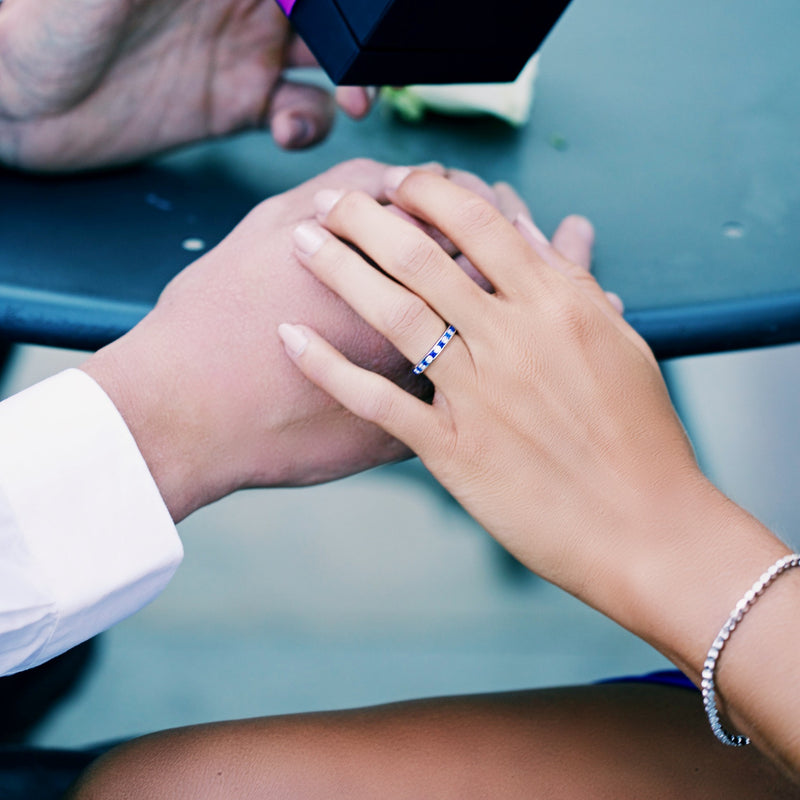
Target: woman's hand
550,423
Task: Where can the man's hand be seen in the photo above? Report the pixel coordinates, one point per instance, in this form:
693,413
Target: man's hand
88,83
203,381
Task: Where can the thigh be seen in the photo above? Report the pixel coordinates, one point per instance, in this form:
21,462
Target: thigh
596,742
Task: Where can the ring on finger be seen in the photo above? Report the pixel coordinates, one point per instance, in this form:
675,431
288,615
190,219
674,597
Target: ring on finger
436,350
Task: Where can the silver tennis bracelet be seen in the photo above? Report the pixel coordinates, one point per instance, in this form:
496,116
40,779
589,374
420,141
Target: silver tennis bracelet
710,665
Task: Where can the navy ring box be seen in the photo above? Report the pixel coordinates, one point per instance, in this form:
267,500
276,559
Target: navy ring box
400,42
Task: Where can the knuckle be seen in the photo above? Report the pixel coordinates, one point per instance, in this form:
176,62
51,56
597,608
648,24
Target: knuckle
414,188
348,204
588,286
417,254
355,167
573,320
478,216
362,163
406,316
415,181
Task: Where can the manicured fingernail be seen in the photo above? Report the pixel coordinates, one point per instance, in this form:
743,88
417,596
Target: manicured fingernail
526,225
395,176
294,340
325,200
309,237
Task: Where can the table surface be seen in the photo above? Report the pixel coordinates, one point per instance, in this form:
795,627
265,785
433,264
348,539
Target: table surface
674,126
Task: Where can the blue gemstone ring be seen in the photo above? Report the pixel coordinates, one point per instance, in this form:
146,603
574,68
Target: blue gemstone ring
436,350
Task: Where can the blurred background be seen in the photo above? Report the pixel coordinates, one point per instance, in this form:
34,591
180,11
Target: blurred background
379,588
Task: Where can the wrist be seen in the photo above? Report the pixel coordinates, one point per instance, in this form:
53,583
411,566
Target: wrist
694,560
683,597
164,425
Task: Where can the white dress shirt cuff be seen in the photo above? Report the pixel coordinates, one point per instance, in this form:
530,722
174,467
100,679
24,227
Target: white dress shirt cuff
97,538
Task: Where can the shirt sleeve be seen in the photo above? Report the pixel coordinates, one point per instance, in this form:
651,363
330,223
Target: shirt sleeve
85,538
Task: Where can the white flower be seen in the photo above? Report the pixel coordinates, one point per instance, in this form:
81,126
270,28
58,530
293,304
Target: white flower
511,102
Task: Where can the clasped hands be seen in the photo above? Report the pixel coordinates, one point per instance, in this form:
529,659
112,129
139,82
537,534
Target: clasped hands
549,412
203,382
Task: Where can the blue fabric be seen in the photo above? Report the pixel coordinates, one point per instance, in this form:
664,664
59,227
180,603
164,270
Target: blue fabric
667,677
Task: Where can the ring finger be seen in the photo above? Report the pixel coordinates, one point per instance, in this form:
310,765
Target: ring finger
403,317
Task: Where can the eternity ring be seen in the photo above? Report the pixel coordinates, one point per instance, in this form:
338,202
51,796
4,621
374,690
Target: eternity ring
434,352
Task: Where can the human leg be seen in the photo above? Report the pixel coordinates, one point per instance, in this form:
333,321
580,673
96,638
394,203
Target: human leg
599,742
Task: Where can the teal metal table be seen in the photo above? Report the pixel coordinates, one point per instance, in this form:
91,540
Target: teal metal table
674,126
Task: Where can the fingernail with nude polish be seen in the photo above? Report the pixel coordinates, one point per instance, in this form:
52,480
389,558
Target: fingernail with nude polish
294,340
395,176
527,226
325,200
309,237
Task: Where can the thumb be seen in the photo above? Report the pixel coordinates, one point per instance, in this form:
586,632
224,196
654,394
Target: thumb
300,115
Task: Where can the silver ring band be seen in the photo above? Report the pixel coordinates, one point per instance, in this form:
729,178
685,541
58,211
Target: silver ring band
436,350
